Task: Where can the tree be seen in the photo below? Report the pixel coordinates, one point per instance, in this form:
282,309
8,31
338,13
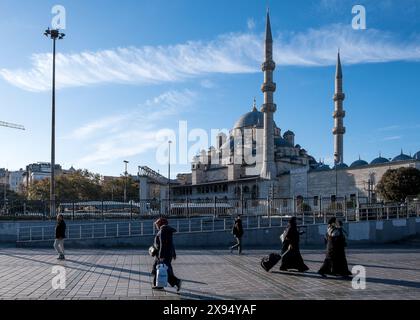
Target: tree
397,184
113,189
79,185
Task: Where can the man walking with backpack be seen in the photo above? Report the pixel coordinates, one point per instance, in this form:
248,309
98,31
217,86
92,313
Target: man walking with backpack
238,232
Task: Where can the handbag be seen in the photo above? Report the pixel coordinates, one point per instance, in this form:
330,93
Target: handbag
161,275
153,251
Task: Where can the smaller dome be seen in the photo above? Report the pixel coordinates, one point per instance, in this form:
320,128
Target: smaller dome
298,146
379,160
340,166
288,133
323,167
358,163
417,156
402,157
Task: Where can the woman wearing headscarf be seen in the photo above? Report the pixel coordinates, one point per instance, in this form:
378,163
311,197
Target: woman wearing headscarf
292,259
340,266
165,252
335,262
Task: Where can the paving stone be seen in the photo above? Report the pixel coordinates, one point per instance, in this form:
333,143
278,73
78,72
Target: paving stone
123,274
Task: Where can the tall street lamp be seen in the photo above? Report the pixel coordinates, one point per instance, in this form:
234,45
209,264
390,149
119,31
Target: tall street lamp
169,177
54,34
125,182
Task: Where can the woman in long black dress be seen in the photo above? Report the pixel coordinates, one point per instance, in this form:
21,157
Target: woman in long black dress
340,266
335,262
292,259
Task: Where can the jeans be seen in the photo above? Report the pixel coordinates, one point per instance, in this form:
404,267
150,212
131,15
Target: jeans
238,244
59,246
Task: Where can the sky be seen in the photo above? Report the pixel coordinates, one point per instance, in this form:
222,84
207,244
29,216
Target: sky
130,71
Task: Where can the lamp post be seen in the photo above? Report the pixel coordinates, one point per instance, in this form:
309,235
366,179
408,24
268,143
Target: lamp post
169,177
125,181
5,191
54,34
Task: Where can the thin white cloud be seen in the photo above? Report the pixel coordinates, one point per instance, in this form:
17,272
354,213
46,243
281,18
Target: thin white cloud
229,53
392,138
134,133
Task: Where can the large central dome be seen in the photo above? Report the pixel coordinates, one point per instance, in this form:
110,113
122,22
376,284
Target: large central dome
254,118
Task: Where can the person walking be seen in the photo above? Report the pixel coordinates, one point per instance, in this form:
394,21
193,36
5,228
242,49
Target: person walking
335,262
165,252
340,266
291,257
60,235
238,232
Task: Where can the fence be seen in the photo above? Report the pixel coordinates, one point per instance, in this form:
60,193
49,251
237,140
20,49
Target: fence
319,208
208,224
144,228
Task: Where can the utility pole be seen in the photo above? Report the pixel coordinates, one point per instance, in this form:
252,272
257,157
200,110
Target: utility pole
54,34
5,192
125,181
169,177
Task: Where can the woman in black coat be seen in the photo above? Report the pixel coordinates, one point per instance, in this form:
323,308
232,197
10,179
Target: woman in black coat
340,266
165,252
335,262
292,259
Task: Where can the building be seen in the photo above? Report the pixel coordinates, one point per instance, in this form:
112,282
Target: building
256,160
16,180
39,171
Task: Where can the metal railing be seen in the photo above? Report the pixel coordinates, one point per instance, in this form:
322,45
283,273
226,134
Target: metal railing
136,228
216,207
143,228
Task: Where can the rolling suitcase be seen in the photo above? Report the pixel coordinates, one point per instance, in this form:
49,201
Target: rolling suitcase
267,263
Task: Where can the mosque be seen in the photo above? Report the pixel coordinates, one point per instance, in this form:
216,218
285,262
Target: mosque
256,160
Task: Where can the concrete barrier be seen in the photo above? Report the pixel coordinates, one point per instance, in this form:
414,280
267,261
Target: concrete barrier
362,232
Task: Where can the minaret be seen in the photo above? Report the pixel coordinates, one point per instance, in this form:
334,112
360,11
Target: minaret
268,108
339,130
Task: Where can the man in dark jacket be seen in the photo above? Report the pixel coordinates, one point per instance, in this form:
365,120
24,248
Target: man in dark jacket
60,235
238,232
166,252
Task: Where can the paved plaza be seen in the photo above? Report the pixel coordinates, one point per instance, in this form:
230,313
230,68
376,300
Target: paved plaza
393,272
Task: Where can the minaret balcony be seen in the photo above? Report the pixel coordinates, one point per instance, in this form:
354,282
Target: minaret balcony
339,130
268,107
339,96
268,87
268,65
339,114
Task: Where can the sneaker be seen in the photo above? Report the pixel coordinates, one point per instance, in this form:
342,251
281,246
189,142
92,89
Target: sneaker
231,250
178,285
157,288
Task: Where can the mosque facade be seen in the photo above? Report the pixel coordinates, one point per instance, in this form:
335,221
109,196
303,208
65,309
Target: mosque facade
256,160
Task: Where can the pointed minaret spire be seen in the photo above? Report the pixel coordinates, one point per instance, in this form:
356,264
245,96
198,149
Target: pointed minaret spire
268,88
268,35
254,106
339,130
338,71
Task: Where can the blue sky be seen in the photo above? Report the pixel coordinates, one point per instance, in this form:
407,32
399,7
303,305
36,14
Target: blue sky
128,69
